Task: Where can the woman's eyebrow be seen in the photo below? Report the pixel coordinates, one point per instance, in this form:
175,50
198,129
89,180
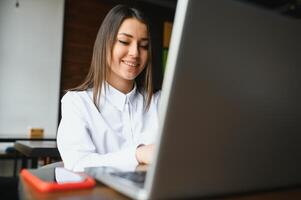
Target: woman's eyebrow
126,34
129,35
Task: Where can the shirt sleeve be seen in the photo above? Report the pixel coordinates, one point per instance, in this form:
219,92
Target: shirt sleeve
75,145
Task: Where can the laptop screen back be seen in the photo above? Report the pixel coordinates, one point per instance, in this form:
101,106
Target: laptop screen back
230,107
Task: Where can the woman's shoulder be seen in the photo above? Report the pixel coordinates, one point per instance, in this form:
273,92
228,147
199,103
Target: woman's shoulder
77,95
155,99
77,101
156,96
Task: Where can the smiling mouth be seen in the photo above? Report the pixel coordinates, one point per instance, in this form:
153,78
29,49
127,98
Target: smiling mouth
131,64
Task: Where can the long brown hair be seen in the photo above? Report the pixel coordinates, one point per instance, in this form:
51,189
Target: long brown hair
103,46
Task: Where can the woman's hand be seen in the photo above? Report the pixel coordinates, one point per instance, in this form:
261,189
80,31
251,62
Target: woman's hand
144,154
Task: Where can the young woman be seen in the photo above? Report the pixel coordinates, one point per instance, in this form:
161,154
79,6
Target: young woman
111,119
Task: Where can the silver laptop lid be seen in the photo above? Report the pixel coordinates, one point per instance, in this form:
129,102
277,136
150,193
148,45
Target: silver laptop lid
230,107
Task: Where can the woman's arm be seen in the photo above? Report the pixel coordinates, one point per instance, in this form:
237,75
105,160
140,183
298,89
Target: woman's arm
76,146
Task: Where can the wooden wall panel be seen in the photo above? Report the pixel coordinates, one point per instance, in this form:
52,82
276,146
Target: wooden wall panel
81,23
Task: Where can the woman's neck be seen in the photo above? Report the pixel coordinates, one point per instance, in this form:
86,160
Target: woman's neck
123,86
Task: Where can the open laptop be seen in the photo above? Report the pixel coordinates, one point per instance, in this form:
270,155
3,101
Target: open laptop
230,107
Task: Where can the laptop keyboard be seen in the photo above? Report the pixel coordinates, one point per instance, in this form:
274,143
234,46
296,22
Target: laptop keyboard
137,177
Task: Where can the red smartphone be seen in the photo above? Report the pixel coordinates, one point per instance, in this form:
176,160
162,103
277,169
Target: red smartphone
56,179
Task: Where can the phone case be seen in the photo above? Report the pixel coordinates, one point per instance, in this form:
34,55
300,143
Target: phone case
44,186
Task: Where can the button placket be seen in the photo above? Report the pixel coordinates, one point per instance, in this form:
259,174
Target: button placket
129,130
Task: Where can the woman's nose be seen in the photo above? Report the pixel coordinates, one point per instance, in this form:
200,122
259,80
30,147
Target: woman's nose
134,50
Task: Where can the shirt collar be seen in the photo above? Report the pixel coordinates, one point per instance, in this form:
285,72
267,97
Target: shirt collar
117,98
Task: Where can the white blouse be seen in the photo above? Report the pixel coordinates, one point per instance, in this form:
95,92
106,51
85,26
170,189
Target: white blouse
88,138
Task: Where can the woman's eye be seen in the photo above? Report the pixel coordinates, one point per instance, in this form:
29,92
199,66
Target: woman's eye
144,46
123,42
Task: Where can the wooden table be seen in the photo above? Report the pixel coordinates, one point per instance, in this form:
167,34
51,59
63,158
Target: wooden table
37,149
101,192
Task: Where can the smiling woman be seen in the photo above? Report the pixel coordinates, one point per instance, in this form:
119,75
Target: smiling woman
111,118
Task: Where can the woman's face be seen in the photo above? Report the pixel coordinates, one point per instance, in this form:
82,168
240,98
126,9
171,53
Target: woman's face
130,52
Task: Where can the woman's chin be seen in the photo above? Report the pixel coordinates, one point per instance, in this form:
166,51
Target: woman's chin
130,76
